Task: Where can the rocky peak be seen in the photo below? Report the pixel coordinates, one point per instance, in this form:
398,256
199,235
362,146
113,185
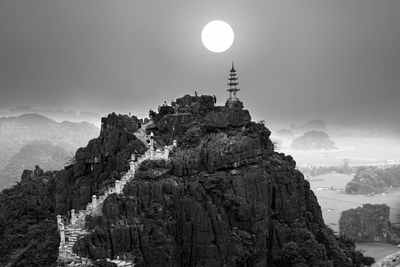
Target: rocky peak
194,104
121,122
223,198
191,117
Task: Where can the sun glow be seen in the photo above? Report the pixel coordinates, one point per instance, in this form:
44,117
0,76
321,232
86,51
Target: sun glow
217,36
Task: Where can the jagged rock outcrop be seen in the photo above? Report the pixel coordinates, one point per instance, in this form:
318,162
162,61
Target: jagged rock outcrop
224,197
99,164
313,140
28,232
369,223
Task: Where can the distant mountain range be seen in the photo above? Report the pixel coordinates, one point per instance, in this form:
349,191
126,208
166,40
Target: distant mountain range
16,132
312,125
357,129
42,153
313,140
58,114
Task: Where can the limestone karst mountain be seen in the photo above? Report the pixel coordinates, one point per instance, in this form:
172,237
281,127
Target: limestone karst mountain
223,198
56,114
369,223
285,133
374,180
313,140
312,125
40,152
15,132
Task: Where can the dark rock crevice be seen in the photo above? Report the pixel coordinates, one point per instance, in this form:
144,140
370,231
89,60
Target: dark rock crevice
224,198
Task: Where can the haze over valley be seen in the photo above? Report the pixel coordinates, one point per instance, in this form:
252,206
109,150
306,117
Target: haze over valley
208,133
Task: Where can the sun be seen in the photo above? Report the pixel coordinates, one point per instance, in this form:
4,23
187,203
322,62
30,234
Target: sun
217,36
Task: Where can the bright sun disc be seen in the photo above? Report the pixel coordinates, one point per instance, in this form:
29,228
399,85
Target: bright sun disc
217,36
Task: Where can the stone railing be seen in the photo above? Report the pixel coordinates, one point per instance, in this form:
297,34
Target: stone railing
70,230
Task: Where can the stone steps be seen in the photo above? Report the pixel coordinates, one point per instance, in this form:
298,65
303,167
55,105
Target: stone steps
74,231
141,134
121,263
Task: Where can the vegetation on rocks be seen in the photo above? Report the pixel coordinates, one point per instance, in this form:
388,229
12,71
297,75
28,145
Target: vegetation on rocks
374,180
369,223
28,230
224,197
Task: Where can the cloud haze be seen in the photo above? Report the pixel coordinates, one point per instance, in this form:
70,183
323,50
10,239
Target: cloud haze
296,60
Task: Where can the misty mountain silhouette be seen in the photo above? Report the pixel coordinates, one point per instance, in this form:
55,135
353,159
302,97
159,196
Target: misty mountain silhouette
313,140
41,152
312,125
15,132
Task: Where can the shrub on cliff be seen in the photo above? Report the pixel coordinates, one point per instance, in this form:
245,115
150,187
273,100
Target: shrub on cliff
303,250
28,229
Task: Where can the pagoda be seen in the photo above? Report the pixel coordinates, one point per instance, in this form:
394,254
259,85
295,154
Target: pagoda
233,101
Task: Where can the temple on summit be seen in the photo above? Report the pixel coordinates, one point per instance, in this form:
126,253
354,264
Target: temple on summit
233,101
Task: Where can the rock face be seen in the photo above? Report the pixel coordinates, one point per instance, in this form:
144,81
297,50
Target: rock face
369,223
98,164
225,198
28,232
374,180
313,140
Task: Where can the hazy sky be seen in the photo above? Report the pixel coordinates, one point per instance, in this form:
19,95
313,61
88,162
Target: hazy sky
296,60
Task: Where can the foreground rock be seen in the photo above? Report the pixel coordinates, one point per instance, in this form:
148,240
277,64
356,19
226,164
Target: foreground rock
225,197
99,164
28,232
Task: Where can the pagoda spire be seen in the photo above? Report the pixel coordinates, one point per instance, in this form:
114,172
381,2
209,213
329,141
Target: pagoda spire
233,83
233,101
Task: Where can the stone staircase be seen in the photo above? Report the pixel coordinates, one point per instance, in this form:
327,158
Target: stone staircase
141,134
71,231
76,227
